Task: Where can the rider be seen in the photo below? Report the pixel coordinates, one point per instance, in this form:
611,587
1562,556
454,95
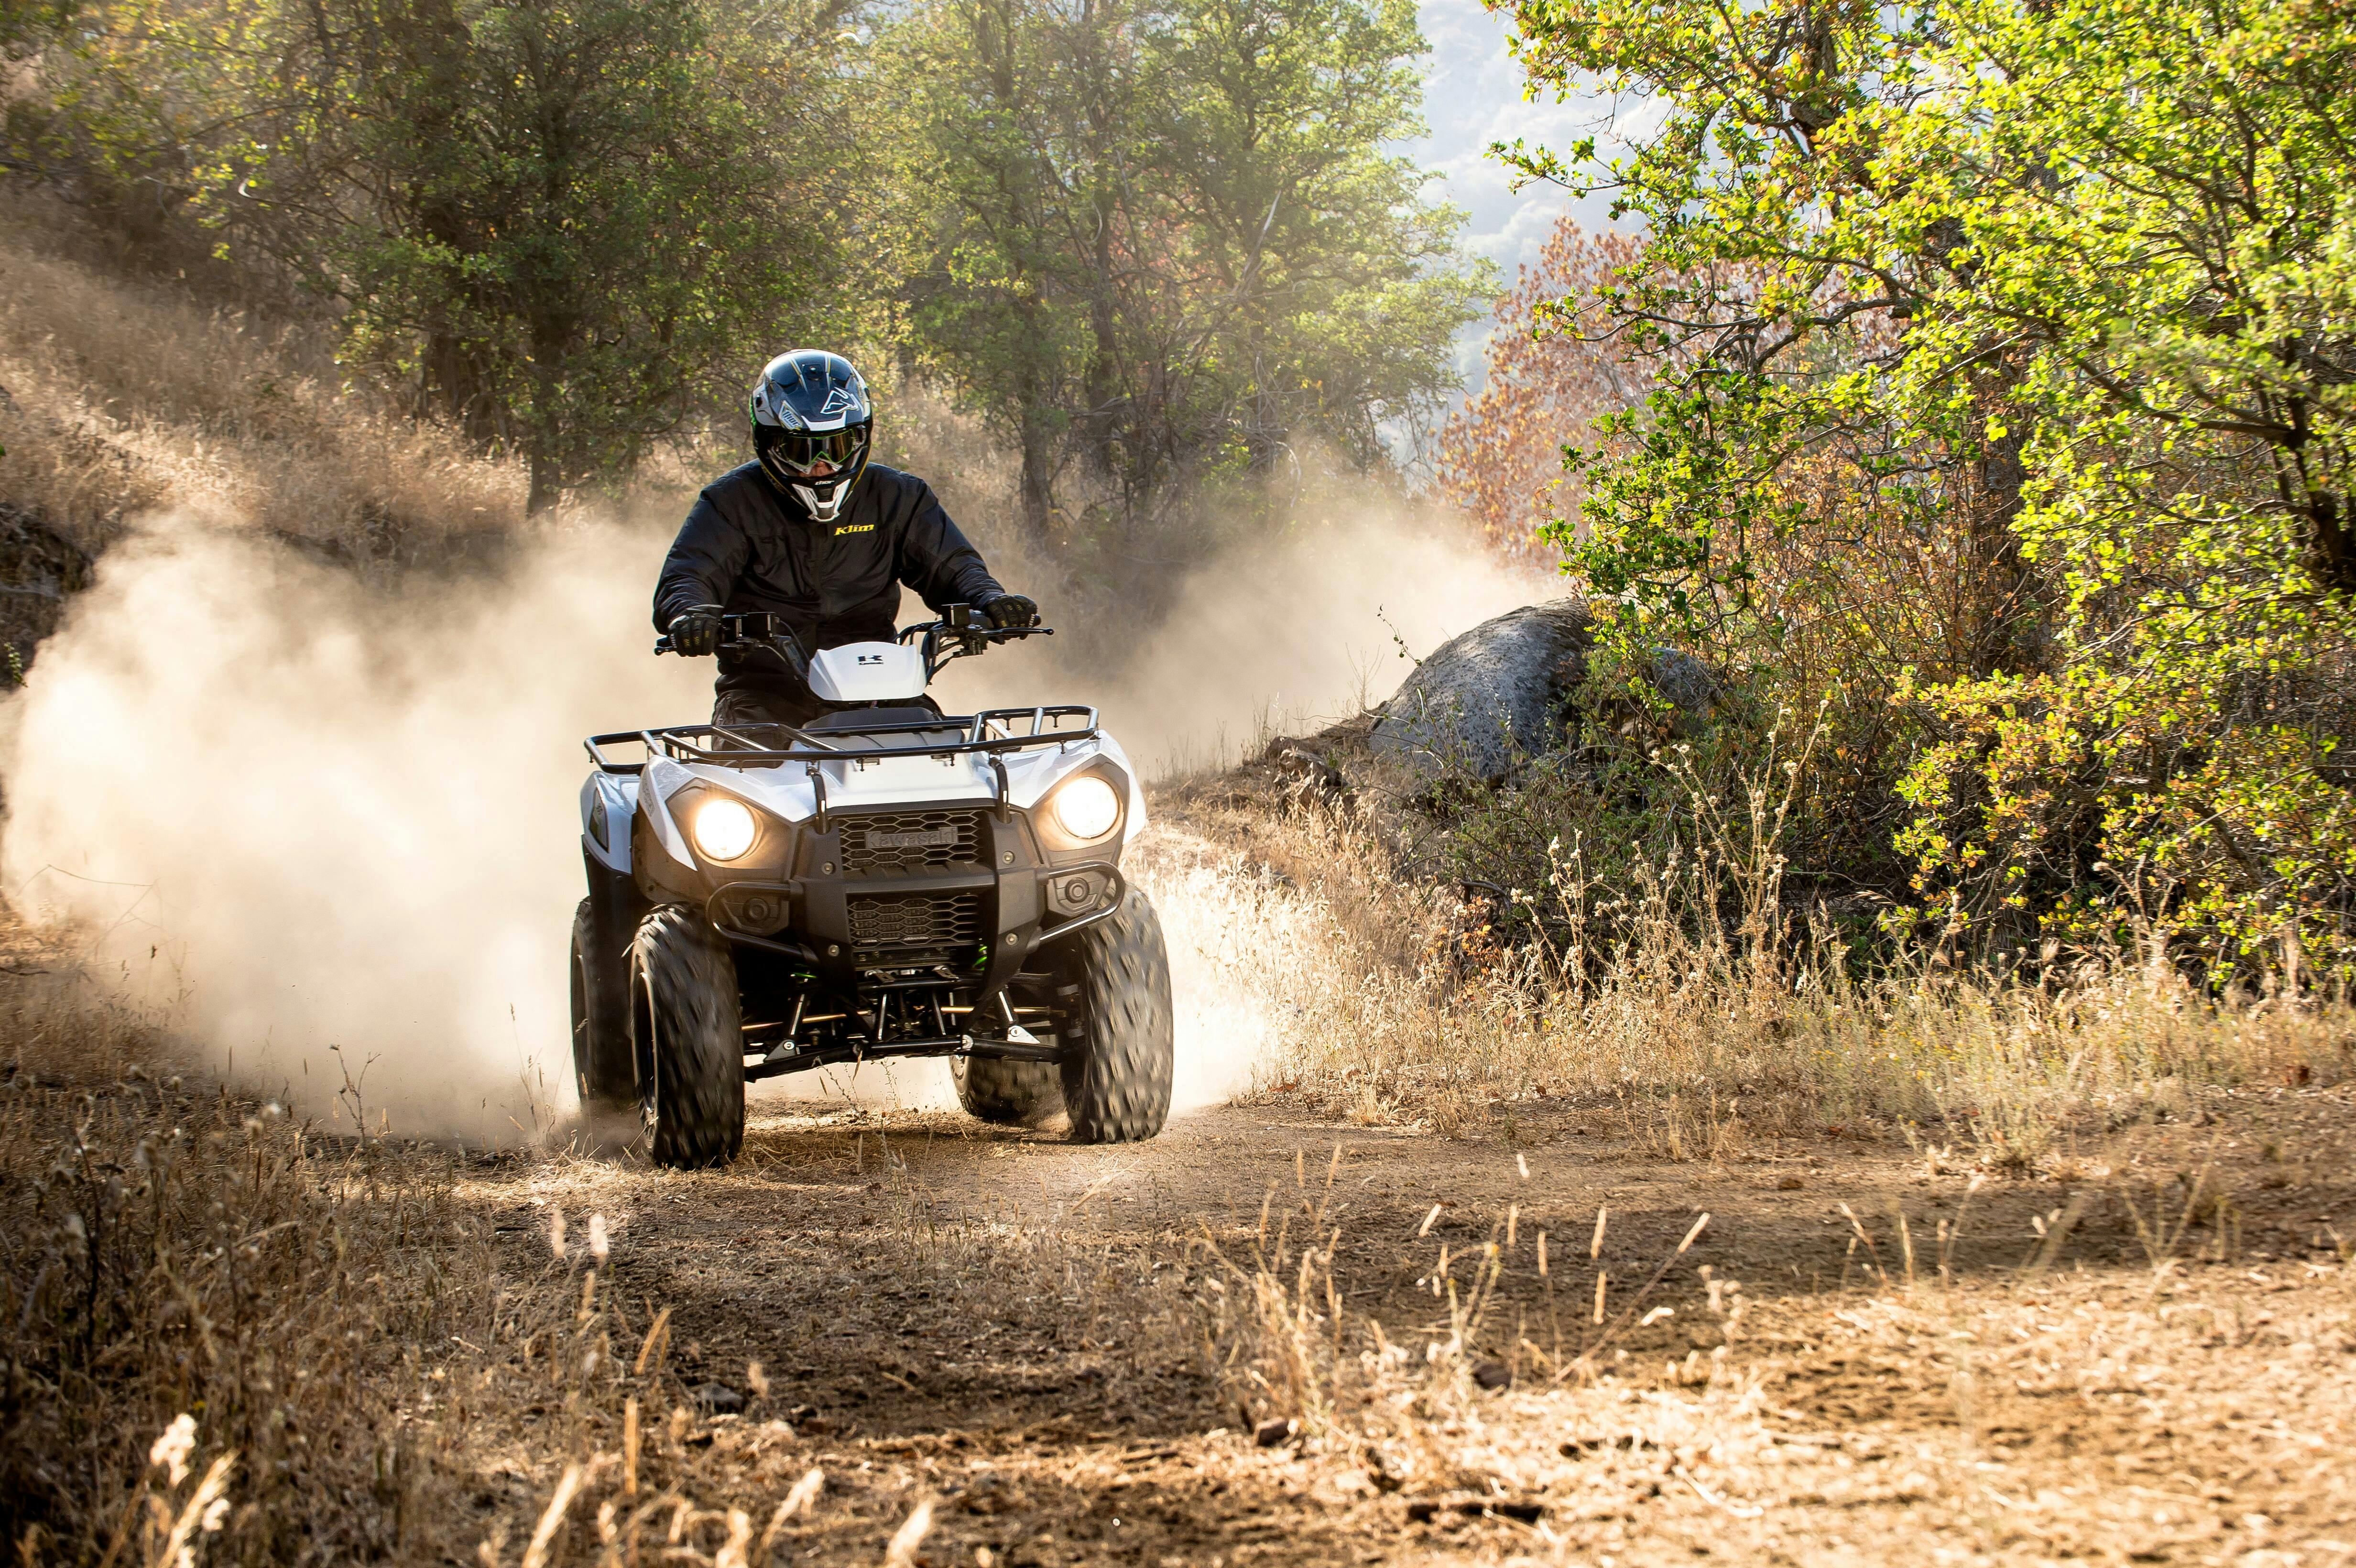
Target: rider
818,536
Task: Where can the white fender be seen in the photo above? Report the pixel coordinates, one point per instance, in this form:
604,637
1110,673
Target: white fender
868,672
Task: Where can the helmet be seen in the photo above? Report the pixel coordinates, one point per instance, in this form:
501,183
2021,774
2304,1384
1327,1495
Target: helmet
810,424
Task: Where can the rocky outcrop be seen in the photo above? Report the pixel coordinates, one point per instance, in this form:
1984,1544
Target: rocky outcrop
40,571
1489,694
1502,691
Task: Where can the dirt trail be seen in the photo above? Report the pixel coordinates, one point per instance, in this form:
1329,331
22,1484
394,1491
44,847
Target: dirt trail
1000,1320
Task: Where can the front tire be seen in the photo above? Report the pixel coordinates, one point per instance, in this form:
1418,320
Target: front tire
1112,981
601,1021
686,1039
1008,1094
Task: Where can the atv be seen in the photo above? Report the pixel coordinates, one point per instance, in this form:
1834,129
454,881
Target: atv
886,880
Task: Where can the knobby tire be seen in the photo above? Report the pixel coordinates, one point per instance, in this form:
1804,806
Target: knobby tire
1113,980
687,1039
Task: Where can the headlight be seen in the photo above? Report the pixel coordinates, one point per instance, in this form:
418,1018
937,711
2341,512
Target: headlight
724,827
1086,808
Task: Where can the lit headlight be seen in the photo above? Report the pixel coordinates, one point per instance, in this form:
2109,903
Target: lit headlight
1086,808
724,827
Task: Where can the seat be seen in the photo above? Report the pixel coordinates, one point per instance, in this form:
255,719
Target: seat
847,727
869,718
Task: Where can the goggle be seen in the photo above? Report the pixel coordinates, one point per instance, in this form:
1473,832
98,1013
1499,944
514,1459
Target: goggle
800,451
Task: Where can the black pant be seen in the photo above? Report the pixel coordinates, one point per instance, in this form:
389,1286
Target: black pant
743,706
747,704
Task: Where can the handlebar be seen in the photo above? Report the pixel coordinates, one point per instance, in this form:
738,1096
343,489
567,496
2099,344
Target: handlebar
962,632
735,641
754,632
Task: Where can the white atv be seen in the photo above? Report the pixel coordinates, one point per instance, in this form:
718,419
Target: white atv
884,881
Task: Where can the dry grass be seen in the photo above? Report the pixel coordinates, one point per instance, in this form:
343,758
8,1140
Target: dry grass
2061,1421
2157,1367
2113,1326
370,1350
386,1354
177,1251
1679,996
126,396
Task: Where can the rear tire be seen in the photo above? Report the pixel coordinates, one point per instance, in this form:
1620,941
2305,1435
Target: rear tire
687,1039
601,1021
1008,1094
1112,980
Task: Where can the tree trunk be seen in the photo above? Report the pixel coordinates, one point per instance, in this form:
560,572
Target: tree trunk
453,385
547,484
2004,629
1038,501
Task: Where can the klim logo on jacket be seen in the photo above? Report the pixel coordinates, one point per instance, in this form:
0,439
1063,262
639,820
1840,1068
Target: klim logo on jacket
854,528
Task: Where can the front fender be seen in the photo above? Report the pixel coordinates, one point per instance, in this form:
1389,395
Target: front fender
608,803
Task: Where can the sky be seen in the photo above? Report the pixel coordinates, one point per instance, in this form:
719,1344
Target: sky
1472,98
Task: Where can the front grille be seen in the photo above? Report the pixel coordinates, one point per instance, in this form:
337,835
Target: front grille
919,920
889,841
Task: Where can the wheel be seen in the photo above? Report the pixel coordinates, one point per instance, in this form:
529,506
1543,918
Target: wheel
601,1020
1112,980
1010,1094
686,1038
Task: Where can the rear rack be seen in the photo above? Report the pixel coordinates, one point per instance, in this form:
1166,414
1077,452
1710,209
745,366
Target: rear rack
736,746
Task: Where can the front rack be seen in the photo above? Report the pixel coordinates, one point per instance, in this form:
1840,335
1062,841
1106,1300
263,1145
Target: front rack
735,746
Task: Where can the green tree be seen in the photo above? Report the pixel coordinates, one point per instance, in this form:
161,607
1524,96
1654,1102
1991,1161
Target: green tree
1317,287
113,105
557,219
1010,172
565,226
2044,308
1163,239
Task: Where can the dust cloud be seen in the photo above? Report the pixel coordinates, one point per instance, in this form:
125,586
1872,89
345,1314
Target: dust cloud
1287,634
296,814
329,830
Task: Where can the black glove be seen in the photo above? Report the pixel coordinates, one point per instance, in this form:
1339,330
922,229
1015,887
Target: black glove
696,632
1011,610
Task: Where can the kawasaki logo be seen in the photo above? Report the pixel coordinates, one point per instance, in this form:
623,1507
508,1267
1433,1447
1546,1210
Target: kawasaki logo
927,838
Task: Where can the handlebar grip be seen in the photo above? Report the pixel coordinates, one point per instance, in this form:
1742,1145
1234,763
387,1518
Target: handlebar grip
734,645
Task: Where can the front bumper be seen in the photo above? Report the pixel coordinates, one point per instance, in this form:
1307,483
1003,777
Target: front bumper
847,908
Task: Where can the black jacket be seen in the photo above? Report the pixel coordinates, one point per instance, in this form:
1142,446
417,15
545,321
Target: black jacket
746,545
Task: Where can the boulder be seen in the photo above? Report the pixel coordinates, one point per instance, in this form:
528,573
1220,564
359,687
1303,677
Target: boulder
1500,692
1488,695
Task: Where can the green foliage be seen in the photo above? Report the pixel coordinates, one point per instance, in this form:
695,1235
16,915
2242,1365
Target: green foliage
1162,238
113,102
566,228
2044,311
2187,405
558,218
